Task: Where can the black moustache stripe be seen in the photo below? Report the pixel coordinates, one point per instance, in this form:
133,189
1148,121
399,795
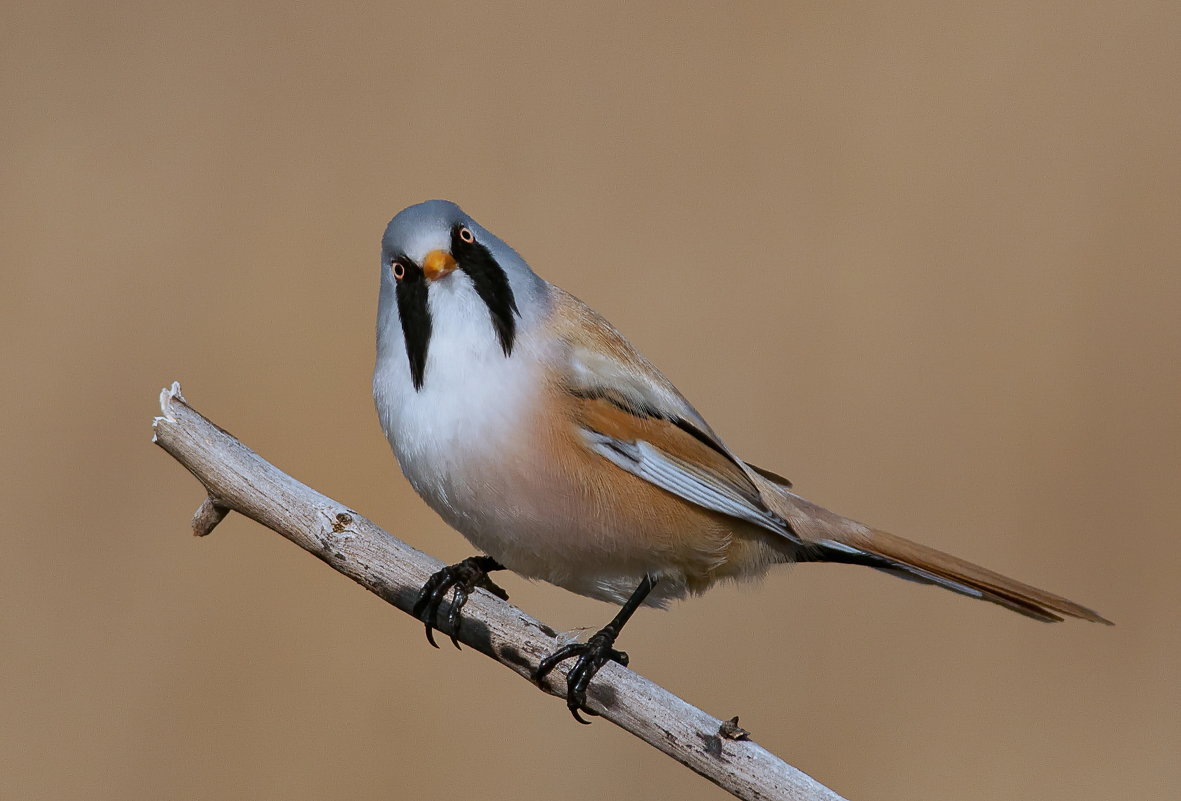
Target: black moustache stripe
491,283
416,320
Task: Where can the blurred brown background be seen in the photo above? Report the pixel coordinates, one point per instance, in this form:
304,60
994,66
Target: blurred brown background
923,261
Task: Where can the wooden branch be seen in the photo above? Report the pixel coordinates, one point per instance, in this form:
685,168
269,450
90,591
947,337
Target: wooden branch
235,478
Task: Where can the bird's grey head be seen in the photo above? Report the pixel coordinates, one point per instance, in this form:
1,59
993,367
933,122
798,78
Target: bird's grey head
436,247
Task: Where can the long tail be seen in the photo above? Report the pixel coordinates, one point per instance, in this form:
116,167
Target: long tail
819,535
910,560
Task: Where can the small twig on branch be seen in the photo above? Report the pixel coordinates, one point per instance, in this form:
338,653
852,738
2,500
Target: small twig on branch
237,479
207,516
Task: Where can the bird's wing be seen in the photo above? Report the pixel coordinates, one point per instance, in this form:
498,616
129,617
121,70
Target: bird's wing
634,417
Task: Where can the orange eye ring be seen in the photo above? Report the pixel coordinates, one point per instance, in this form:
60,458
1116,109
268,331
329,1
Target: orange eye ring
466,235
398,269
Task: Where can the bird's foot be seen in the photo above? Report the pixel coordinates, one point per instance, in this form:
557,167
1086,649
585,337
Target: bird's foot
592,655
464,577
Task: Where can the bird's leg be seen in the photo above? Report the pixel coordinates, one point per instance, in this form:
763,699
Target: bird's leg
463,577
593,654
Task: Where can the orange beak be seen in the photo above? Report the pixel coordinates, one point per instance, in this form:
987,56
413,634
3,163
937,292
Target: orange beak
437,264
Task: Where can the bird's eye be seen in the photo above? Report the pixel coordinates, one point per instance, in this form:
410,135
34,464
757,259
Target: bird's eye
466,235
398,269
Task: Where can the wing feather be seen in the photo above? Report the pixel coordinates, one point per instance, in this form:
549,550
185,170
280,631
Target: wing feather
634,417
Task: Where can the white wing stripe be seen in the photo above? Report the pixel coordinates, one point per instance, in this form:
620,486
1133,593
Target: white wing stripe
651,464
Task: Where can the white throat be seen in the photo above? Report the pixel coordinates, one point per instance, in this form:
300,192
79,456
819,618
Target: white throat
472,400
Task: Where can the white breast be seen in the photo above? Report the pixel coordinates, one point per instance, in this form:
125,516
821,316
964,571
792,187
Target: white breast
453,436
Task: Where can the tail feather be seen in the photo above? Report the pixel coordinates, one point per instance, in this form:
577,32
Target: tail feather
819,535
907,559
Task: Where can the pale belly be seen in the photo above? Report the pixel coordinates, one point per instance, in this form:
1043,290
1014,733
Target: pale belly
482,445
538,522
584,524
467,442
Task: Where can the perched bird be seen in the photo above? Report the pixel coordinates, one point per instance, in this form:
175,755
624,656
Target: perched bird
543,436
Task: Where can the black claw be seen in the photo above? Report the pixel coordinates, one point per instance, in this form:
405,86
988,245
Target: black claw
432,606
592,655
457,602
463,578
551,661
